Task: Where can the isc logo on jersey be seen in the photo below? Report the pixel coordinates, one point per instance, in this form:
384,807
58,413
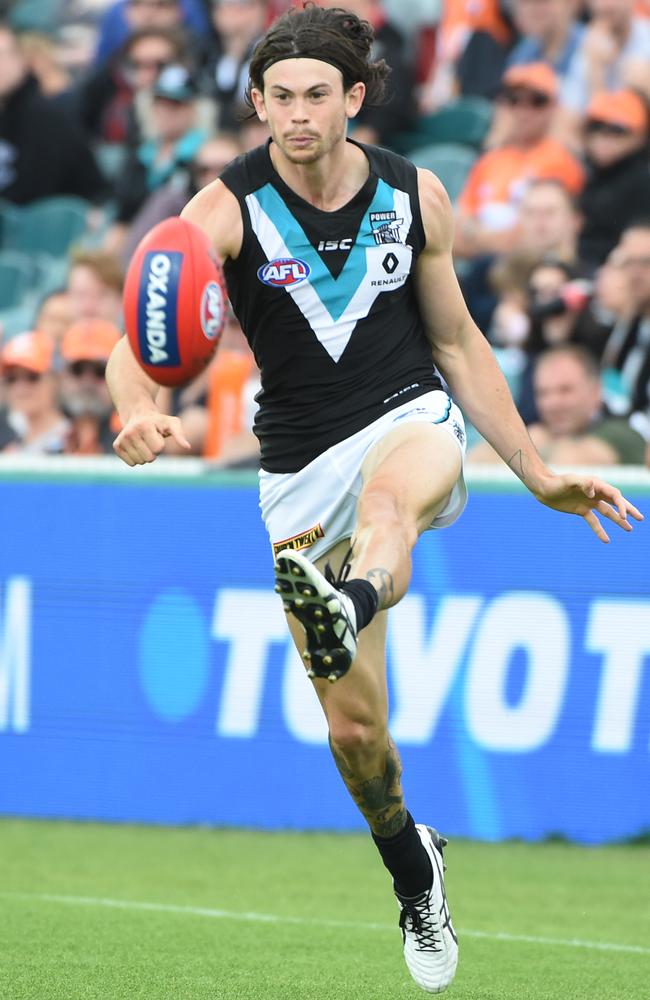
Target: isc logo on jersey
284,272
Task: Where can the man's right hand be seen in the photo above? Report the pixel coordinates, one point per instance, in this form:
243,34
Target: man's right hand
143,437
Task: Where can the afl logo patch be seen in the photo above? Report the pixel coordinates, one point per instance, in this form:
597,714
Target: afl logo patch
284,272
212,310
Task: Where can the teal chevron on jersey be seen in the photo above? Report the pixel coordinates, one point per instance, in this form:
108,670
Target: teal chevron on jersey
334,293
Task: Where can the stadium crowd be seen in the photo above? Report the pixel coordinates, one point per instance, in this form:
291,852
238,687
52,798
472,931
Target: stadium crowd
534,114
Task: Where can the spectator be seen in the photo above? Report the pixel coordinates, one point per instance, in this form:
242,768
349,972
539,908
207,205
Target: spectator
85,400
54,315
42,153
229,427
44,64
548,221
210,160
110,99
127,16
628,348
166,155
614,37
95,285
481,25
32,422
550,33
487,207
378,124
618,182
573,428
238,25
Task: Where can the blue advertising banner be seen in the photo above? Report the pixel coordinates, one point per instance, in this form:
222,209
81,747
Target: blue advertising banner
146,672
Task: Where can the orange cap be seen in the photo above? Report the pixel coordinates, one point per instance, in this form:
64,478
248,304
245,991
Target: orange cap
536,76
619,107
89,340
33,350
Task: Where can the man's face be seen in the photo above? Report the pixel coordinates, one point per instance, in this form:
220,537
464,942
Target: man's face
28,392
606,144
153,13
546,218
13,68
55,316
539,17
613,11
242,19
530,113
567,397
172,119
91,298
146,58
306,107
84,392
212,158
633,256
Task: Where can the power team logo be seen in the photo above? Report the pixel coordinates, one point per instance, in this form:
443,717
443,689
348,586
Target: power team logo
386,228
212,311
302,541
284,272
157,303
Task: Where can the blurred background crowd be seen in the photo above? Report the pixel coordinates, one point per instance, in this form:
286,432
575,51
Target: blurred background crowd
534,114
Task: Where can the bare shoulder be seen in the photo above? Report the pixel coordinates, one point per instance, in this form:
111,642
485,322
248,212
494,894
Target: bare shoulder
216,210
437,213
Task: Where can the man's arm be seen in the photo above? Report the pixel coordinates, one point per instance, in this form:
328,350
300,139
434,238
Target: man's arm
465,358
216,210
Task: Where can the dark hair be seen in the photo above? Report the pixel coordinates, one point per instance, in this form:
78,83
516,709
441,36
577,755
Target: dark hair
332,35
642,222
176,37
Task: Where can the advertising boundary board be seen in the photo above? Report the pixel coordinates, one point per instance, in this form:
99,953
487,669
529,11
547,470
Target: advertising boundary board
145,672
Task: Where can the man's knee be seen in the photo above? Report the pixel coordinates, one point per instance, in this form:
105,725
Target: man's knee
354,737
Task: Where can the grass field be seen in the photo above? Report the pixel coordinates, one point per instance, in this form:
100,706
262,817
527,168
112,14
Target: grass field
90,911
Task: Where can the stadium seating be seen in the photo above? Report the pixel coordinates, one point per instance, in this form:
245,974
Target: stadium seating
17,277
465,121
449,161
49,226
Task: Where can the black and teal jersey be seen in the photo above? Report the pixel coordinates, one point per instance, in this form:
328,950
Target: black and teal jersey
328,305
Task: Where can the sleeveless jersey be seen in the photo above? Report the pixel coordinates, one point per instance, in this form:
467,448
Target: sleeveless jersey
327,303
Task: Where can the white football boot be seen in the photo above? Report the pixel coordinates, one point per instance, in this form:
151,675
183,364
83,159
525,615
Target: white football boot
430,942
326,614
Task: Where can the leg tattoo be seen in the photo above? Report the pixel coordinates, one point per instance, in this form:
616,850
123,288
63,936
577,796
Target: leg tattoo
379,798
382,581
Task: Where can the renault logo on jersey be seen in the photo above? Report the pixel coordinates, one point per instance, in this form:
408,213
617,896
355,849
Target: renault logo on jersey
284,272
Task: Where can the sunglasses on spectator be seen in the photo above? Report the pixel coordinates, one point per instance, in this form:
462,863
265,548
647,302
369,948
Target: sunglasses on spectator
13,377
95,368
524,99
595,127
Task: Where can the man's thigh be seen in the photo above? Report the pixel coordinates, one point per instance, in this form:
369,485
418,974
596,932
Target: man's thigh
418,464
361,695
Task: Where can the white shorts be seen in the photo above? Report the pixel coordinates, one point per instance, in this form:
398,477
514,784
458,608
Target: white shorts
316,507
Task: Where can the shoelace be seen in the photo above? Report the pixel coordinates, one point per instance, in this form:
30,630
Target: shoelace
336,579
423,925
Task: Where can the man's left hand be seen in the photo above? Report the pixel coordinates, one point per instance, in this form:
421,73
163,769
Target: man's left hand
584,495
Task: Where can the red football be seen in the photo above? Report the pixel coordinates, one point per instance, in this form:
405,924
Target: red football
174,302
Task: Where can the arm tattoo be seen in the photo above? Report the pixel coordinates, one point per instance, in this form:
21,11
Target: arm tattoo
379,798
516,463
382,581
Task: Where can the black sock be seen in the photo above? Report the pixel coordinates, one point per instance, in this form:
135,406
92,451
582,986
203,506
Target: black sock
406,859
365,599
